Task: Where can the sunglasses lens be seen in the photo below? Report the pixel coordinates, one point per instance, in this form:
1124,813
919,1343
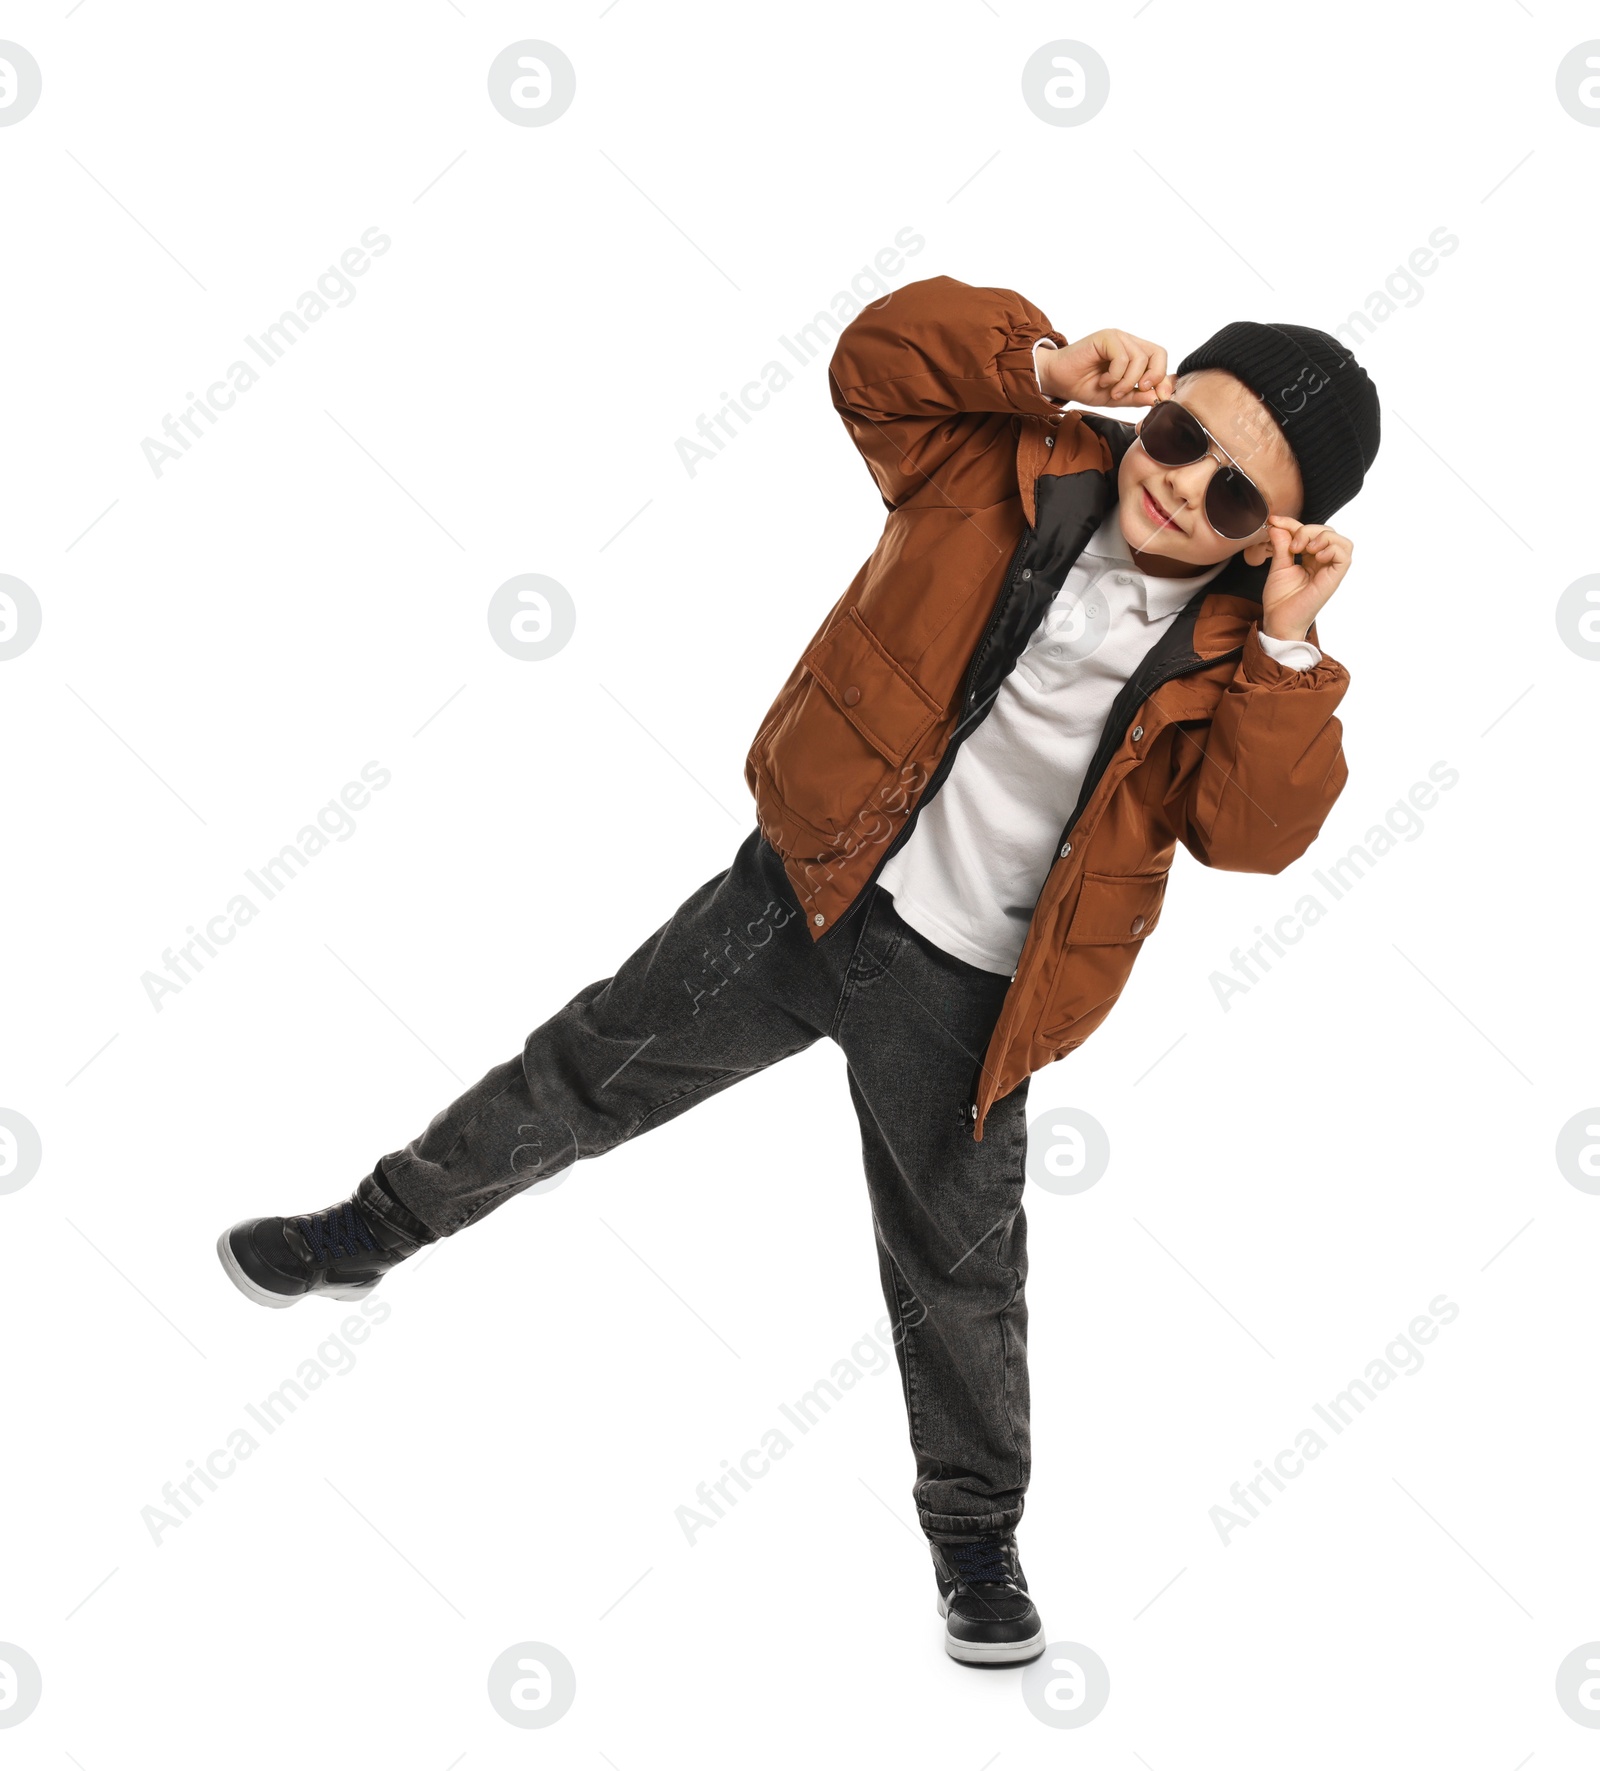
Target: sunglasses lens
1171,435
1234,508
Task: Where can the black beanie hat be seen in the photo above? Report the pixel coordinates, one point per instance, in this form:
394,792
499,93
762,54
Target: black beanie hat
1322,398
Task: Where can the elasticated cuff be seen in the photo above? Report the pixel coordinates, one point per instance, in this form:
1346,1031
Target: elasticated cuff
1262,670
376,1201
962,1527
1020,380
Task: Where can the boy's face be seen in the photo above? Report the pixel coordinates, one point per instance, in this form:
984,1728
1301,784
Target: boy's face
1162,509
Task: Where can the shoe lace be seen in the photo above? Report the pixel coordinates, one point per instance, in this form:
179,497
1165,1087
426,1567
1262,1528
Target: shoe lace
984,1560
336,1233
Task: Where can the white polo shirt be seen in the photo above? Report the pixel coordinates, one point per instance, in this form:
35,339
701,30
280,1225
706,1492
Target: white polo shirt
972,869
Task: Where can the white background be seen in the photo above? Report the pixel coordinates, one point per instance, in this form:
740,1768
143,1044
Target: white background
225,645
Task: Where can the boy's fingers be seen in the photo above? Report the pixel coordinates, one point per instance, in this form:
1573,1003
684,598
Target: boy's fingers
1132,373
1312,538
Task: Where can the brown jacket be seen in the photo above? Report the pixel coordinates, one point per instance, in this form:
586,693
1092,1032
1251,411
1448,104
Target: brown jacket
992,492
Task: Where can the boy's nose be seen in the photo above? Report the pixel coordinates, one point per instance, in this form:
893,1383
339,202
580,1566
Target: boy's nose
1189,483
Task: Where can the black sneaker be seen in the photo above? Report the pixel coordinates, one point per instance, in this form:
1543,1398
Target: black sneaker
989,1620
341,1252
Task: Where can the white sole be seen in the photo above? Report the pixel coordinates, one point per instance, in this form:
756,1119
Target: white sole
274,1300
990,1653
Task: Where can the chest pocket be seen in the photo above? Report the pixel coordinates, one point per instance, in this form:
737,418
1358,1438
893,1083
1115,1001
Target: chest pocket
856,719
882,701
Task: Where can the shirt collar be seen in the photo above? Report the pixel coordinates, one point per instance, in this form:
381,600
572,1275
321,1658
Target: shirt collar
1160,597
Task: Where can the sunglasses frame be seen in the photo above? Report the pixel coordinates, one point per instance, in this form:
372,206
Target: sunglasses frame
1211,445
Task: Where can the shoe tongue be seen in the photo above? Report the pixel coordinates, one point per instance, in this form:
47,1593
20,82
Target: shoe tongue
980,1563
335,1233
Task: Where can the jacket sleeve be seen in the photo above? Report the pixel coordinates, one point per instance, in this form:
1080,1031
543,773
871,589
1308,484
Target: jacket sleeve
930,383
1254,797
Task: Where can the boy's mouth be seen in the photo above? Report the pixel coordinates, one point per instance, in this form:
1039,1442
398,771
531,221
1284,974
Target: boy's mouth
1154,512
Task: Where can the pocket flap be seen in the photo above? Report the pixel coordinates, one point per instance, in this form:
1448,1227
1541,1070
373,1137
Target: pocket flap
882,702
1116,907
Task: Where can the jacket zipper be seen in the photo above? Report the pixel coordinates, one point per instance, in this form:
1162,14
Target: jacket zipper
1101,762
1189,666
953,743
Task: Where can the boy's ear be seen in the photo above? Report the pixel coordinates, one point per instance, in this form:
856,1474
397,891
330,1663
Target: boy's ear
1258,553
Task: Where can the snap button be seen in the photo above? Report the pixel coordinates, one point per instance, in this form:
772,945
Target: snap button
1066,849
1027,574
1137,733
851,696
1138,925
973,1112
817,919
1049,442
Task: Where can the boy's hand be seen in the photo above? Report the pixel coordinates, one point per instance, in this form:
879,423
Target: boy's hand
1108,368
1294,595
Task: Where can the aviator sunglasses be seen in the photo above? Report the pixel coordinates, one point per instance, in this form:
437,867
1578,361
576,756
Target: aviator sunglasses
1171,435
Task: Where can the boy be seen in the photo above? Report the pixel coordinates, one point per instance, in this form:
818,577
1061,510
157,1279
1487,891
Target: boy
1067,654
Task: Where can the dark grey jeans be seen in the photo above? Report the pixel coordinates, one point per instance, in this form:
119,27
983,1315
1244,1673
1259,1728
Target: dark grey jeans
730,984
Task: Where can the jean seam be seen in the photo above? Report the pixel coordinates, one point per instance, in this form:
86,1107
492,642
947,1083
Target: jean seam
1023,1463
683,1093
1007,1362
633,1131
461,1135
488,1205
697,1087
854,975
913,1390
